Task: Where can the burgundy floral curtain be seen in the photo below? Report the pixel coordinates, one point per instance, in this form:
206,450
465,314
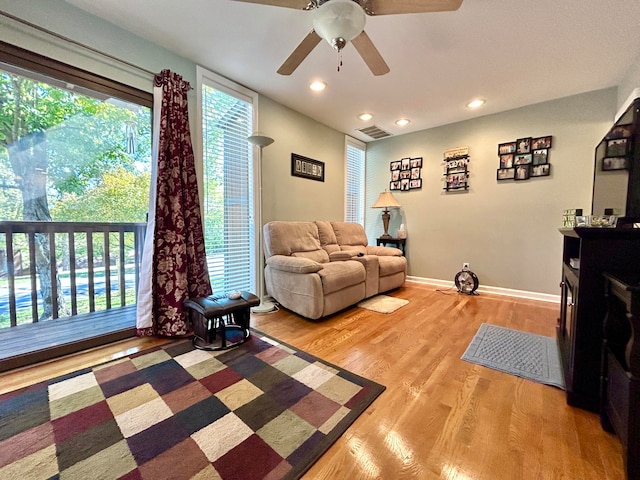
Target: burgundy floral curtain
178,267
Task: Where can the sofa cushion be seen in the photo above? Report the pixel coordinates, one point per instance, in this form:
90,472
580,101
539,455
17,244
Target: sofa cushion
293,264
338,275
320,256
350,234
286,238
327,236
390,265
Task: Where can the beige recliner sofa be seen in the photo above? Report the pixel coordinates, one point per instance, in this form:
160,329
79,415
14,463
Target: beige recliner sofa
319,268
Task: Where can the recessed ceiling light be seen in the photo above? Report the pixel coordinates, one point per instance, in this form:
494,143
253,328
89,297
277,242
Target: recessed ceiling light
478,102
317,86
365,117
402,122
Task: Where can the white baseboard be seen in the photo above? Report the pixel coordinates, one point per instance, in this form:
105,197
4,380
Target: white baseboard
507,292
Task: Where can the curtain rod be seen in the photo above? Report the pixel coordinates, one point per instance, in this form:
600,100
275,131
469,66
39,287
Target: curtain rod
74,42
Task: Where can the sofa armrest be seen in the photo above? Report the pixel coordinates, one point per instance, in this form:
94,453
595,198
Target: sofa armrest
293,264
342,255
384,251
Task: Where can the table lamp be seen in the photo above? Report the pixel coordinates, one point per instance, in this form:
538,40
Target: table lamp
385,200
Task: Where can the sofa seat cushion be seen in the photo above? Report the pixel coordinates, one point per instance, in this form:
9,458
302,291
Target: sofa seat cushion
339,275
390,265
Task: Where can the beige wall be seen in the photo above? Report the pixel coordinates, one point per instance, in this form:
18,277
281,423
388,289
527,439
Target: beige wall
286,197
507,231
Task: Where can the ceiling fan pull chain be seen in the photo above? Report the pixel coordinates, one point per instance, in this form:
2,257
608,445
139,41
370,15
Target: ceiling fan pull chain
339,59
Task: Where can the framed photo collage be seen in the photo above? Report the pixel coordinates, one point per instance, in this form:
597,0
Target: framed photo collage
523,159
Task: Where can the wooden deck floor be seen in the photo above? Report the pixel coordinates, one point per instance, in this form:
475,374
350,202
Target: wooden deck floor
35,342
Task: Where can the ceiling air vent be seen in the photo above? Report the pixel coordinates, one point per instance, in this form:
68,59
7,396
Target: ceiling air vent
374,132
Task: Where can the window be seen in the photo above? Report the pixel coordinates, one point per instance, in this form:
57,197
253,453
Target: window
227,113
354,188
75,152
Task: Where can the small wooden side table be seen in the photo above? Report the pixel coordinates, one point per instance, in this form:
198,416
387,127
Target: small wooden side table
397,242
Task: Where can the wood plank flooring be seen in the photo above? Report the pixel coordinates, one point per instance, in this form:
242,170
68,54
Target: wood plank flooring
440,417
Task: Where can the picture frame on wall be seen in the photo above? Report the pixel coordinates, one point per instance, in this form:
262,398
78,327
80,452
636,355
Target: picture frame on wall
540,156
506,173
522,172
619,131
307,168
523,159
506,161
415,183
614,163
523,145
541,142
405,164
395,165
541,170
617,147
394,185
504,148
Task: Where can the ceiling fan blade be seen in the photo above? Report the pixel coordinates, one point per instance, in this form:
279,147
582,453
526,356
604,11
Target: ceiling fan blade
390,7
298,4
300,53
370,54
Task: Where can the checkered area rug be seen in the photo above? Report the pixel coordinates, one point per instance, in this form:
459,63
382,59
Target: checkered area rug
262,410
524,354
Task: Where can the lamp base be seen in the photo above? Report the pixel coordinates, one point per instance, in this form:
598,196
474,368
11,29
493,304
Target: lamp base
385,235
265,307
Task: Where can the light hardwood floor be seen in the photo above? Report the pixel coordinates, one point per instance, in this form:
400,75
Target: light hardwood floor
440,417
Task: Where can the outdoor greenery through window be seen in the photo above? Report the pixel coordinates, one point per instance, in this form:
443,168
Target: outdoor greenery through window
227,119
71,154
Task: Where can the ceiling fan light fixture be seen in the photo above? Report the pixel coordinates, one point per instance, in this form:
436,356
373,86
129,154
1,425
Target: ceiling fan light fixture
339,21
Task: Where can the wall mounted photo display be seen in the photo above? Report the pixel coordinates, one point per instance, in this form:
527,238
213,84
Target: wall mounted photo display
619,131
523,145
541,142
616,147
614,163
307,168
523,159
519,159
523,172
406,174
540,156
506,173
456,169
504,148
541,170
506,161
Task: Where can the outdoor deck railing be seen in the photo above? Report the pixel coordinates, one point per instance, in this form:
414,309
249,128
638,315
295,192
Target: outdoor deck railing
86,261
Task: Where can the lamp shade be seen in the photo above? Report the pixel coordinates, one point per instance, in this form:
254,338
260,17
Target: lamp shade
339,21
385,200
260,140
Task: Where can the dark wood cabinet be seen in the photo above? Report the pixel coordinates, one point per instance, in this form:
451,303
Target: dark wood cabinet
620,393
583,307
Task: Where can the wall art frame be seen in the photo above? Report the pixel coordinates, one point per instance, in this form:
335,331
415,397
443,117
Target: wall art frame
305,167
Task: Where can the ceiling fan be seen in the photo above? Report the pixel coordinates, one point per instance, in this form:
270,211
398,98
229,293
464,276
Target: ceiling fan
341,21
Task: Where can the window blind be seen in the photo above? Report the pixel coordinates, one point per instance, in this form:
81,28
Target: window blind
228,206
354,179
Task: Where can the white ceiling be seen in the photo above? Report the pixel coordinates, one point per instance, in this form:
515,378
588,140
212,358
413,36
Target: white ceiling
509,52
